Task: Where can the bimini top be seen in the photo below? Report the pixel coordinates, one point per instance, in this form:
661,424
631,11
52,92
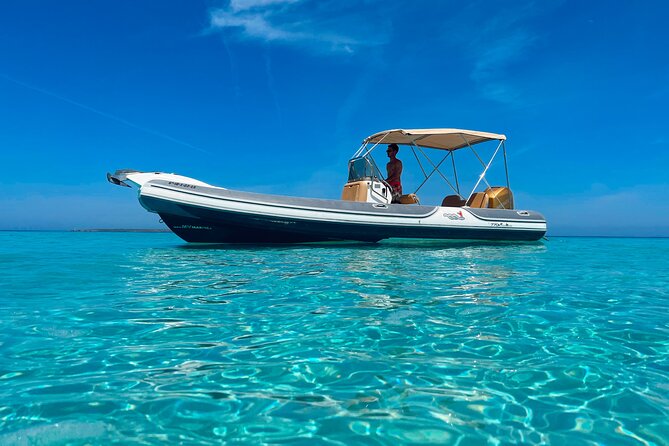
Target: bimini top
444,139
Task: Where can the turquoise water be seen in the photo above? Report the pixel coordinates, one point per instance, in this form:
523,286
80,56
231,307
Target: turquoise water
142,339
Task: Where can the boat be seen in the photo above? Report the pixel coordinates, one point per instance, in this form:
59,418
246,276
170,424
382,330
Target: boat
368,210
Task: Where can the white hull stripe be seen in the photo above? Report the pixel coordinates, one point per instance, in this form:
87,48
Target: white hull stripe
266,210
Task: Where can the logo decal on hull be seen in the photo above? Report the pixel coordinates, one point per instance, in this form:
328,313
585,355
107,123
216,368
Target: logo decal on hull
455,216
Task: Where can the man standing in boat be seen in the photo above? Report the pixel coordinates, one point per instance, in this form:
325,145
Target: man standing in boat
394,169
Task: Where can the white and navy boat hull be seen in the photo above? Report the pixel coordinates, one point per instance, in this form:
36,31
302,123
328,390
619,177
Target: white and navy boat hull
198,212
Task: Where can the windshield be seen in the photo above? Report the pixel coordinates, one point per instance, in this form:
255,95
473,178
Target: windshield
362,169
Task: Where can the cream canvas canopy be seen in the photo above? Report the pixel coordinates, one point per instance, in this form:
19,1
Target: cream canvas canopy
444,139
441,139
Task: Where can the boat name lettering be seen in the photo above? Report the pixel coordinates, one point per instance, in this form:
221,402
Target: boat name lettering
454,216
500,225
192,227
173,183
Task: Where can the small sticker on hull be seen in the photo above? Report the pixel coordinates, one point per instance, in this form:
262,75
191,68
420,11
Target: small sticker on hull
454,216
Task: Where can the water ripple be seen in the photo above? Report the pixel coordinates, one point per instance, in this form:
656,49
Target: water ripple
137,338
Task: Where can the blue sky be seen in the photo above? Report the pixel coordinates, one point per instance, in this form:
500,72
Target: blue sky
276,95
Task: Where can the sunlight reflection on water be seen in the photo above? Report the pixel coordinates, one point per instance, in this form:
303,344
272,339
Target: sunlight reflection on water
140,338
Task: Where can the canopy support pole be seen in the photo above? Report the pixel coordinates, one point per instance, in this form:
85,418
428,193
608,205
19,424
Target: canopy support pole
357,152
482,176
436,169
419,163
506,167
374,146
455,172
472,149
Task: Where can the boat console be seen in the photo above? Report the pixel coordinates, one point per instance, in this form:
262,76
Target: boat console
365,183
367,191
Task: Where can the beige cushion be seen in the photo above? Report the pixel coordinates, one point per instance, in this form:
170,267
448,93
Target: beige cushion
478,200
408,199
453,201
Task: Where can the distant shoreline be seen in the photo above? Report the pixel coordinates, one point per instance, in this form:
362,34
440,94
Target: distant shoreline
121,230
145,230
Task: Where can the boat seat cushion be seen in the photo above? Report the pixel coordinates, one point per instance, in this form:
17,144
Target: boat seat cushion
453,201
408,199
478,200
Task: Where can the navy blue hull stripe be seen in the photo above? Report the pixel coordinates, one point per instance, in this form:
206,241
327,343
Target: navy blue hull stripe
199,224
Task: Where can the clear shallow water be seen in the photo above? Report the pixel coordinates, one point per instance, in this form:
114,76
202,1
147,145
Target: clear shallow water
141,339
